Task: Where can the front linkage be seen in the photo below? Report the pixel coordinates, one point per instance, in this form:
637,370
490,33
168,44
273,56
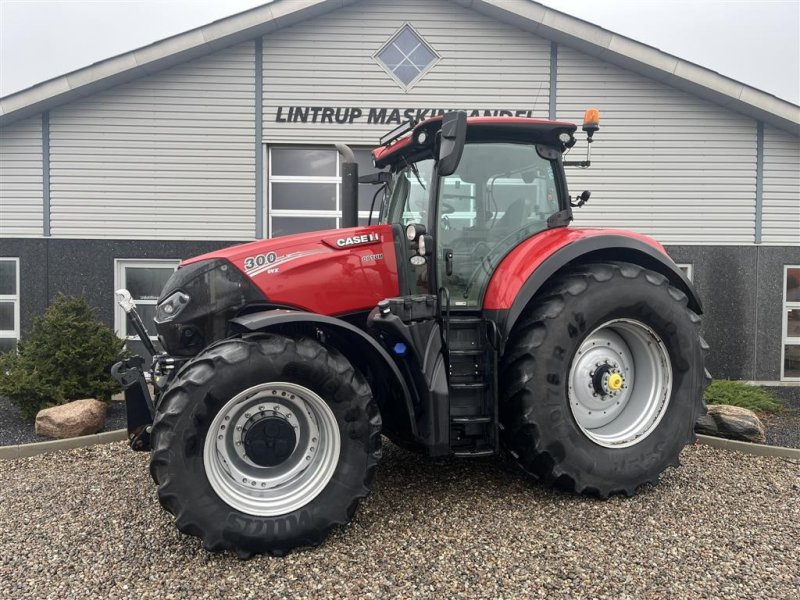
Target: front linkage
139,404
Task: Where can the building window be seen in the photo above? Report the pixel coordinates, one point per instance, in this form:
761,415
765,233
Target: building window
791,323
406,56
687,269
304,188
9,303
144,279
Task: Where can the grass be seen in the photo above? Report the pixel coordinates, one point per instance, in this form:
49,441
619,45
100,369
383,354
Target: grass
736,393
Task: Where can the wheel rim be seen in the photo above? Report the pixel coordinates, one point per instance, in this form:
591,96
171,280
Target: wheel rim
272,449
620,383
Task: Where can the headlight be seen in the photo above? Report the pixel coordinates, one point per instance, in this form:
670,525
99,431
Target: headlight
171,307
414,230
197,303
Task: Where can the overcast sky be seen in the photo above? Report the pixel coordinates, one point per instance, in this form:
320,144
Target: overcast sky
754,41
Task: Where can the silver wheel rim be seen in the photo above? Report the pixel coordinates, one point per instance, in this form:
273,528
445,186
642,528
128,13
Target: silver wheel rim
282,488
620,383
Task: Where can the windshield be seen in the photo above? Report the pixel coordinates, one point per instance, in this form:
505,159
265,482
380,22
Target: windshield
500,194
408,194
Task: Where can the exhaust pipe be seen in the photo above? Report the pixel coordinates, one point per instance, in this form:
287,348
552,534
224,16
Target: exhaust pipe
349,186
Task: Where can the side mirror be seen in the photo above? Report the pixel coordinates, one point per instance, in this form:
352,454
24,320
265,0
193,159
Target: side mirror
582,199
451,145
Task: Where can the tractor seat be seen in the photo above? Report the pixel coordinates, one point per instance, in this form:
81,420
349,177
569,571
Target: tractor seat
516,213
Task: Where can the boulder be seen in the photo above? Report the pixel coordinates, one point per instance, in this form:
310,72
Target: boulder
80,417
731,422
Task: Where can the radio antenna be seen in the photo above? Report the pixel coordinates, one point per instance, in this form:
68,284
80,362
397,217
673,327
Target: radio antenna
536,100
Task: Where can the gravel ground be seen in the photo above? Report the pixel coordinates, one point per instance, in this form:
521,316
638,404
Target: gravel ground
783,428
14,429
788,394
86,524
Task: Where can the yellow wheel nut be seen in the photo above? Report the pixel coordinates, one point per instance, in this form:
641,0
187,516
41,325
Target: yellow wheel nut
615,381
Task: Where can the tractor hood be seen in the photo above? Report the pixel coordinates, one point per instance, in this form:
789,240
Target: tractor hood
334,272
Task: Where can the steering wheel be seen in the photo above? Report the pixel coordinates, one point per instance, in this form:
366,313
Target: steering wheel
447,209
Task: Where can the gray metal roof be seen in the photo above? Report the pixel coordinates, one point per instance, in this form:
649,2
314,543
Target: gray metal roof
525,14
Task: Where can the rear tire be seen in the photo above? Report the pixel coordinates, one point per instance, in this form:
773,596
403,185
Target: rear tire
265,443
602,380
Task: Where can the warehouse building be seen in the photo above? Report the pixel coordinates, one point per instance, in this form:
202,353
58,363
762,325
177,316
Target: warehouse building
110,174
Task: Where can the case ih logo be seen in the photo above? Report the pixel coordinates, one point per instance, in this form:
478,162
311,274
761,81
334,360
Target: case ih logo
357,240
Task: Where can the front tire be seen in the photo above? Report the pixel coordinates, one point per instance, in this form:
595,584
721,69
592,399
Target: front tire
602,380
265,443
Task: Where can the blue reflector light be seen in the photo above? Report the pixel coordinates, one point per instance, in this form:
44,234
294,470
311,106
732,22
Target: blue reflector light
400,349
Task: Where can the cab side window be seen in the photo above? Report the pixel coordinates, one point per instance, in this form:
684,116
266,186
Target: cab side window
500,194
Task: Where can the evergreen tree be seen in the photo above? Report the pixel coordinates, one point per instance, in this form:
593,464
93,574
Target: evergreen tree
67,356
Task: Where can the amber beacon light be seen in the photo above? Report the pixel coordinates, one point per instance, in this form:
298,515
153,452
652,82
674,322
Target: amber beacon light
591,122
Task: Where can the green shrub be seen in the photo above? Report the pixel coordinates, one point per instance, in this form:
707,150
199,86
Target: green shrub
736,393
67,356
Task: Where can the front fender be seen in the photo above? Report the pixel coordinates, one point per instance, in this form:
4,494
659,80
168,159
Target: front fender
363,352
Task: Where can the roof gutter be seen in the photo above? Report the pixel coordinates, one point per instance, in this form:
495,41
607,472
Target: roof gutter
642,59
160,55
524,14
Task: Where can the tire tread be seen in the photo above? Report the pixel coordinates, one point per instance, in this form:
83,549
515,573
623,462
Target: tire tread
520,432
178,398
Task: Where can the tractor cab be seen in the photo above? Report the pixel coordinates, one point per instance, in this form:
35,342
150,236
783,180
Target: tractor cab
466,192
462,194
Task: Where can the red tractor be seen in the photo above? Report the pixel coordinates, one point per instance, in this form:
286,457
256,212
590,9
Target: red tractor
469,319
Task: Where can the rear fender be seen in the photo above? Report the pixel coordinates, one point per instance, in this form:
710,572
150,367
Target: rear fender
363,352
592,249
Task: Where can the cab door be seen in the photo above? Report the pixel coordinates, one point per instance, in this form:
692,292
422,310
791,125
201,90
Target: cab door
410,203
500,194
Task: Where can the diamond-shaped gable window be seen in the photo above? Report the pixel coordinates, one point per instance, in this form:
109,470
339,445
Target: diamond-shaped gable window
406,56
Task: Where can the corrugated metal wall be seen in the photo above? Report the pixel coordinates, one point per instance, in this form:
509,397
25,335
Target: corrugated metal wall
172,155
21,179
664,163
328,62
781,213
169,156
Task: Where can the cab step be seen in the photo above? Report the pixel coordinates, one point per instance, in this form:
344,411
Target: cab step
474,453
472,383
466,352
471,419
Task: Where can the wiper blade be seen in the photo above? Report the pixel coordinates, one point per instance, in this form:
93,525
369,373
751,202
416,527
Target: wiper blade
415,170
